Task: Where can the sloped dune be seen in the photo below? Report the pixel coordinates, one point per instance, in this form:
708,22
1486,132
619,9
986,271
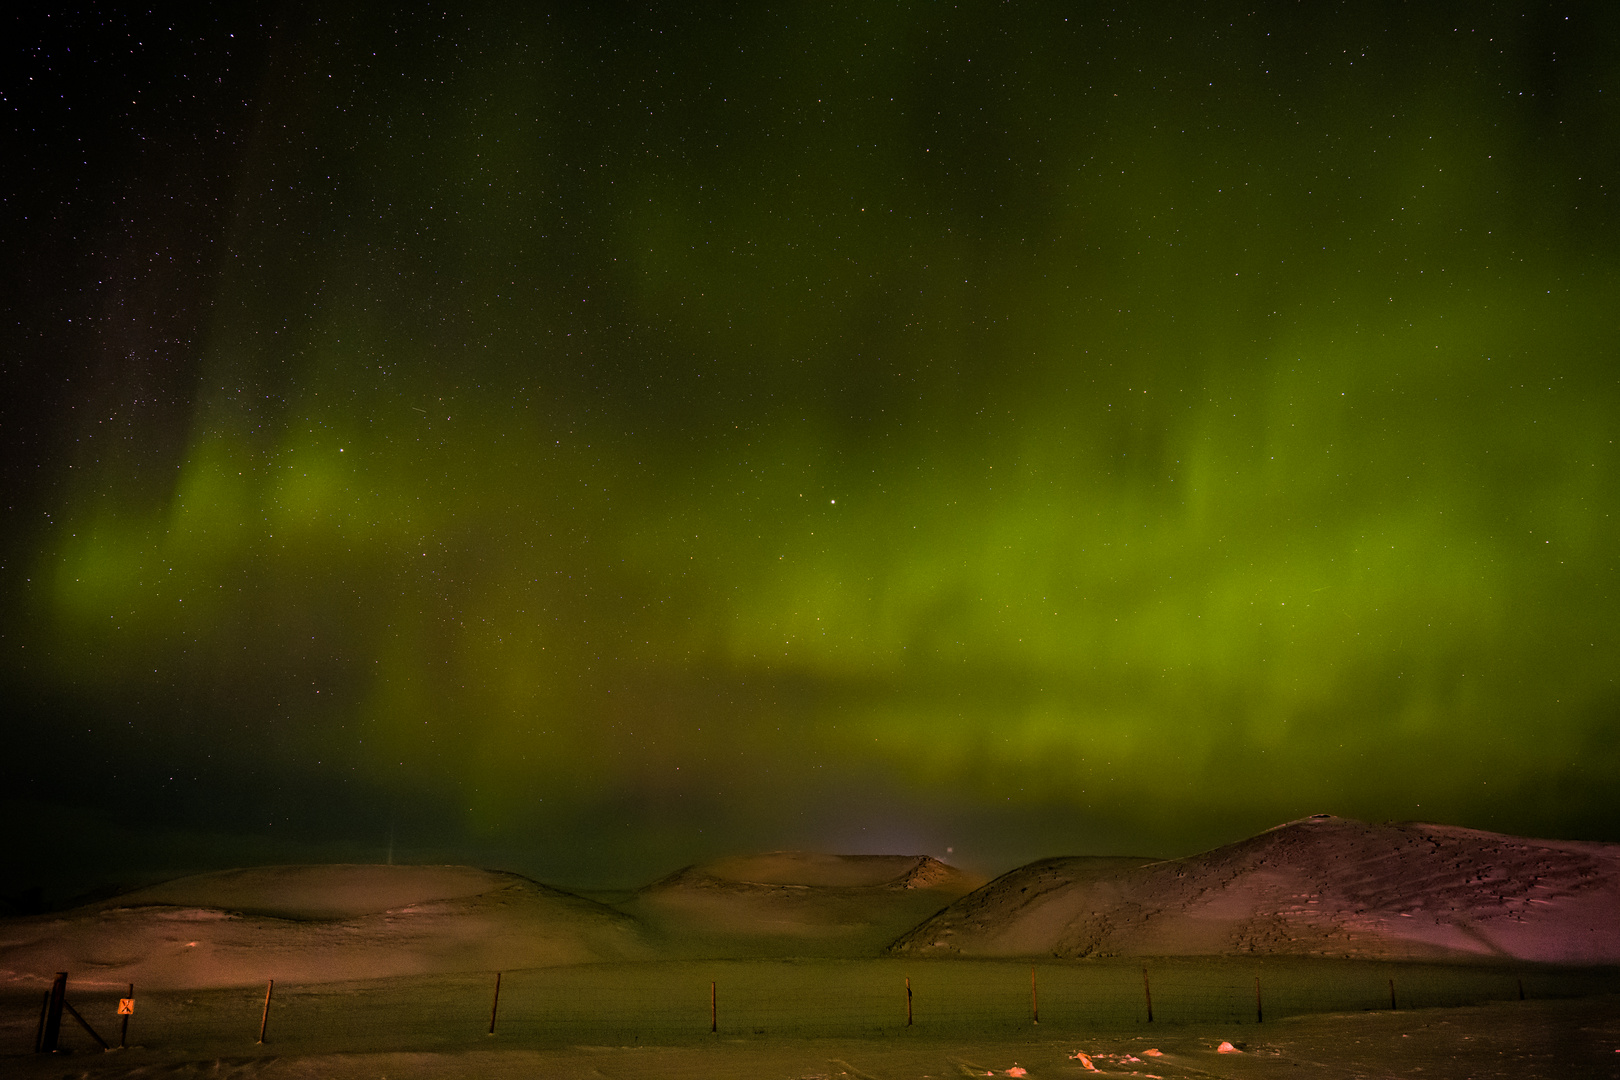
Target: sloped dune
1322,886
795,903
309,924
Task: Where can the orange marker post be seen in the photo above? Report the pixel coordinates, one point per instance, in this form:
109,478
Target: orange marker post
126,1009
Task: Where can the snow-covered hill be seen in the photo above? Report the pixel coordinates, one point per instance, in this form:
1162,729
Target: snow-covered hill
1321,886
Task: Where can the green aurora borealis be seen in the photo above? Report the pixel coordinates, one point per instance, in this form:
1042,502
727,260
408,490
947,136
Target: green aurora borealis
603,439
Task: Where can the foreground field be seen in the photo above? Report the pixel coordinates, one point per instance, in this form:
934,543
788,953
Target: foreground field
823,1018
1540,1040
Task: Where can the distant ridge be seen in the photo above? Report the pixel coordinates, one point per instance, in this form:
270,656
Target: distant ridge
814,870
795,903
1320,886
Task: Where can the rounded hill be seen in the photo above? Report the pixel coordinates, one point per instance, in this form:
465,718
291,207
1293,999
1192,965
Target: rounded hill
1321,886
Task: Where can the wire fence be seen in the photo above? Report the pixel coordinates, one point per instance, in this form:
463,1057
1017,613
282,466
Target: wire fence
826,999
674,1002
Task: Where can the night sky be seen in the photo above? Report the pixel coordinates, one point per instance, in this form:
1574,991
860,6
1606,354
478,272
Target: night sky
584,438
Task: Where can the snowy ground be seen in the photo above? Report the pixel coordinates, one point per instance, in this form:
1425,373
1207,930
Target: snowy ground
1522,1041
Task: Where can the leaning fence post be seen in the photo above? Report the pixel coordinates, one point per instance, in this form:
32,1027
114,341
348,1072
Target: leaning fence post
39,1032
1147,992
264,1021
82,1022
908,1001
494,1006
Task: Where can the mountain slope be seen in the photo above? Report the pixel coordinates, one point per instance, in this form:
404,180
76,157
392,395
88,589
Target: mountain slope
1322,886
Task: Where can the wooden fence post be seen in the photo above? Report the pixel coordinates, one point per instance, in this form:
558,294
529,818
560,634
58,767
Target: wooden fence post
264,1021
1259,1011
714,1012
494,1006
1392,993
1147,992
49,1033
39,1032
52,1031
908,1001
1034,998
